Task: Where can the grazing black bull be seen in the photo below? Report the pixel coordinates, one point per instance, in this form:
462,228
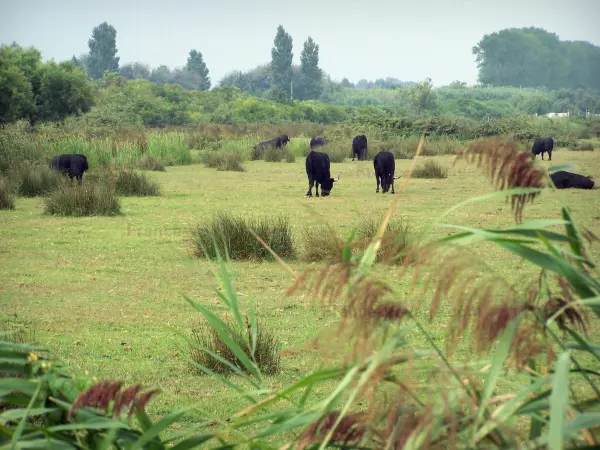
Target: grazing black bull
317,169
385,166
359,147
317,141
277,142
567,180
73,165
543,145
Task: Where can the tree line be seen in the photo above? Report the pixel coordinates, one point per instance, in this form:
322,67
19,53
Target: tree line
534,57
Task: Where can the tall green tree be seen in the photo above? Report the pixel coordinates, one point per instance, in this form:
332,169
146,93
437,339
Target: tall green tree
312,75
281,60
422,96
40,91
103,51
196,64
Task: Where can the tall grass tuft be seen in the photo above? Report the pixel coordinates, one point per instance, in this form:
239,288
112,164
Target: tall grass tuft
169,147
33,179
233,237
224,161
265,353
337,151
430,169
273,154
290,157
131,183
151,163
583,147
89,199
396,242
320,243
7,200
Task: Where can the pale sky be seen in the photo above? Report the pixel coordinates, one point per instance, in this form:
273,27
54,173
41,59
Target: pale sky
405,39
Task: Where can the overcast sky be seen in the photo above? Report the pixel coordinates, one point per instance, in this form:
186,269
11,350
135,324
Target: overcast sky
405,39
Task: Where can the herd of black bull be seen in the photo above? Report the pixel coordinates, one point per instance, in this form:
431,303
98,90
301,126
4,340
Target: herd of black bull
318,165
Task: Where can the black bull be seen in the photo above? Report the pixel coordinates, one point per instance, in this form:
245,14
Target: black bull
277,142
317,141
566,180
385,166
317,169
543,145
359,147
73,165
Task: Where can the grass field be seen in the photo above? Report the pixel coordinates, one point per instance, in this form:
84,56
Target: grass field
106,294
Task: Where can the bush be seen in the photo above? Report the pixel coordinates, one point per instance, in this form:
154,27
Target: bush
583,146
130,183
151,163
89,199
221,160
7,200
169,147
233,237
290,157
265,354
337,151
32,179
320,244
431,169
396,242
273,154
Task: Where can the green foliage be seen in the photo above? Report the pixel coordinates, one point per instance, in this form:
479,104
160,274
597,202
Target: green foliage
130,183
103,51
150,163
397,240
320,244
430,169
88,199
196,65
234,238
584,147
224,160
7,200
40,91
338,151
169,147
281,60
422,97
204,337
273,154
312,75
33,179
533,57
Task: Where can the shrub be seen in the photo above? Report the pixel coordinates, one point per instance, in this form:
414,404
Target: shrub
32,179
233,237
431,169
583,146
7,200
169,147
130,183
265,354
290,157
151,163
337,151
396,242
221,160
320,244
298,146
89,199
273,154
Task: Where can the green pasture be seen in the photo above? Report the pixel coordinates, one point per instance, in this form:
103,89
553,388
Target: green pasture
106,294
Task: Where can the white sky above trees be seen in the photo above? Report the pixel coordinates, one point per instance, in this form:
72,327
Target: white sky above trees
408,40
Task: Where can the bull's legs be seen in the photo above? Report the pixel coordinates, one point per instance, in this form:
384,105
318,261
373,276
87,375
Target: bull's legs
377,178
549,156
393,185
311,183
542,156
316,188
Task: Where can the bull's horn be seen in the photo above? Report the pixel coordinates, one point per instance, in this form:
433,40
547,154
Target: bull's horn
338,178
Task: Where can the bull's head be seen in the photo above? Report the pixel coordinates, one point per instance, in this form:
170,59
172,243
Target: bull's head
386,182
327,186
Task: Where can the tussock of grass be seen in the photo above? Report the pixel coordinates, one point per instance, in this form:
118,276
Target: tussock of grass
7,200
32,180
290,157
265,354
169,147
273,154
337,151
91,199
396,242
431,169
130,183
151,163
320,244
232,235
224,161
583,147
